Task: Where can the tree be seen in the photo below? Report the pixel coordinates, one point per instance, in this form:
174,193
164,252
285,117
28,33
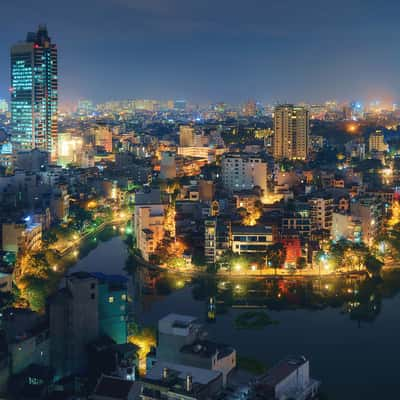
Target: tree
198,258
49,237
225,261
145,339
373,265
276,255
177,262
81,216
35,290
301,263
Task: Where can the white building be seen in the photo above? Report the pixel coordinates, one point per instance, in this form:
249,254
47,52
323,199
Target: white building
345,226
369,212
149,221
182,340
251,239
168,165
241,171
321,208
289,379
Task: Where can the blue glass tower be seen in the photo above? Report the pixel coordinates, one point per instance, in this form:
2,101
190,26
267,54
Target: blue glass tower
34,93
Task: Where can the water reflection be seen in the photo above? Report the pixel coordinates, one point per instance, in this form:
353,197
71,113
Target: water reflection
347,328
358,296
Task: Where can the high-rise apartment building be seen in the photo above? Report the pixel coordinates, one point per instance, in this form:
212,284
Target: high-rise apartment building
186,136
377,142
291,131
34,93
103,137
74,323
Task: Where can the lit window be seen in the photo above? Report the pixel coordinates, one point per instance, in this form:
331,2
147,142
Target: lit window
111,299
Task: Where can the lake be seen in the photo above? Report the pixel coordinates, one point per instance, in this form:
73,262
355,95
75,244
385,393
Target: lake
349,329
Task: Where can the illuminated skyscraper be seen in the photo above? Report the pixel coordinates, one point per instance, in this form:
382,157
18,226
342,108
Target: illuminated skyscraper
291,132
34,93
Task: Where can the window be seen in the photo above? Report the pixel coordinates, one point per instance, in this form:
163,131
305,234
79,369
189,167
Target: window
111,299
92,296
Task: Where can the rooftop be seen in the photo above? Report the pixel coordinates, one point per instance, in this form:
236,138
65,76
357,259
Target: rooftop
199,375
115,388
282,370
260,229
177,321
206,349
148,196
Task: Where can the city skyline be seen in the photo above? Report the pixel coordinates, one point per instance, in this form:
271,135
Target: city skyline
224,51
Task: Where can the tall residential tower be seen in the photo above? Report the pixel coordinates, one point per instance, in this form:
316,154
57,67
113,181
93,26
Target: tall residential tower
291,132
34,93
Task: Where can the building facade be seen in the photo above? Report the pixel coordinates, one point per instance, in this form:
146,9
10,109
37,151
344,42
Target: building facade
34,93
377,142
113,306
321,209
291,132
242,171
74,323
186,136
251,239
149,221
22,237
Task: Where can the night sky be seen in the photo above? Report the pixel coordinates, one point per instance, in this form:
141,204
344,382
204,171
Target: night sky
213,50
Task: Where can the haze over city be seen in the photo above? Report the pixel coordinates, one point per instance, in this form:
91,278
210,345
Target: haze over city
199,200
221,50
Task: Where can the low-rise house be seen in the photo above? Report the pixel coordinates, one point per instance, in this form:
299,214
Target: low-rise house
289,379
251,239
181,340
170,381
113,388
